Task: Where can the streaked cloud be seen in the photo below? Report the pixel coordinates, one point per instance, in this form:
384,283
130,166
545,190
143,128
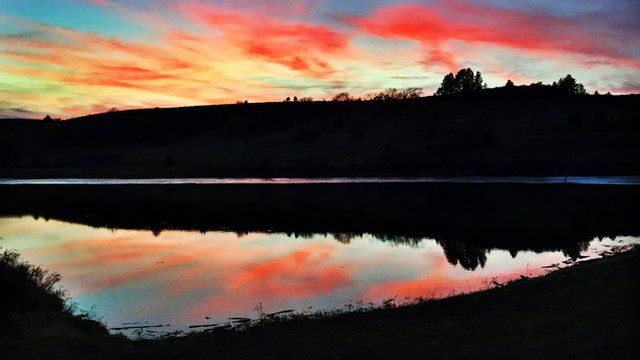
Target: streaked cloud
542,34
82,56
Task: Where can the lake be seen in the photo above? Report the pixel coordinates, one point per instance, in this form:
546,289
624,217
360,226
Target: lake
586,180
183,255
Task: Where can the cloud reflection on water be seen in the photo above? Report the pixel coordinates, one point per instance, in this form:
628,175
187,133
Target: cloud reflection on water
179,277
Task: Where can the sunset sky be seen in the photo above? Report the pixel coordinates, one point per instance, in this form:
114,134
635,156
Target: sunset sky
73,57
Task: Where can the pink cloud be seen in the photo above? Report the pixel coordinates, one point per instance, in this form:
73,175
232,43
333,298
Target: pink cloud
436,25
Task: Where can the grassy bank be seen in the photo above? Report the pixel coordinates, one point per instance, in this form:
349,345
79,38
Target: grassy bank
586,311
36,317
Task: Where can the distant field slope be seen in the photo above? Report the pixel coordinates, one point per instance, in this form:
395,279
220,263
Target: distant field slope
520,131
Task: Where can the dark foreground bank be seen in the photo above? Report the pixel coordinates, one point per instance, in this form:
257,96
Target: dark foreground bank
587,311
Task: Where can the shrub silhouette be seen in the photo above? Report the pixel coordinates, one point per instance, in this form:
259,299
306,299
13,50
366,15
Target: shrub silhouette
27,287
49,119
395,94
343,96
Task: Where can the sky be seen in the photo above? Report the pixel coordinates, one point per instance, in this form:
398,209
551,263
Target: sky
74,57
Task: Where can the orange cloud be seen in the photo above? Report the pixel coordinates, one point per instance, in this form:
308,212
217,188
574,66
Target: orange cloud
298,46
96,60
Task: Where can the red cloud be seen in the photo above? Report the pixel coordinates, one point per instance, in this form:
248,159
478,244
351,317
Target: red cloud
305,273
302,273
441,284
434,25
299,46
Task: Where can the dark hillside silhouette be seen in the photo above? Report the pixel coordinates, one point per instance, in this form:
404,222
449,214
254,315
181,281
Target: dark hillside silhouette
513,130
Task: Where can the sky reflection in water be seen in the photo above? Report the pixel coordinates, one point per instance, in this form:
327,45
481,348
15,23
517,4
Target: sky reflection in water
180,277
584,180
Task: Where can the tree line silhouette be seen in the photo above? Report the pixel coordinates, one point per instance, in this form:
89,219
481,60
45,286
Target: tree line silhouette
465,81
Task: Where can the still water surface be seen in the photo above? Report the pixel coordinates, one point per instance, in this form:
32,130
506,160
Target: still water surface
585,180
185,278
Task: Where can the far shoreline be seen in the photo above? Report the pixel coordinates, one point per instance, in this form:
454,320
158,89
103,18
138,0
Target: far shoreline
573,180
